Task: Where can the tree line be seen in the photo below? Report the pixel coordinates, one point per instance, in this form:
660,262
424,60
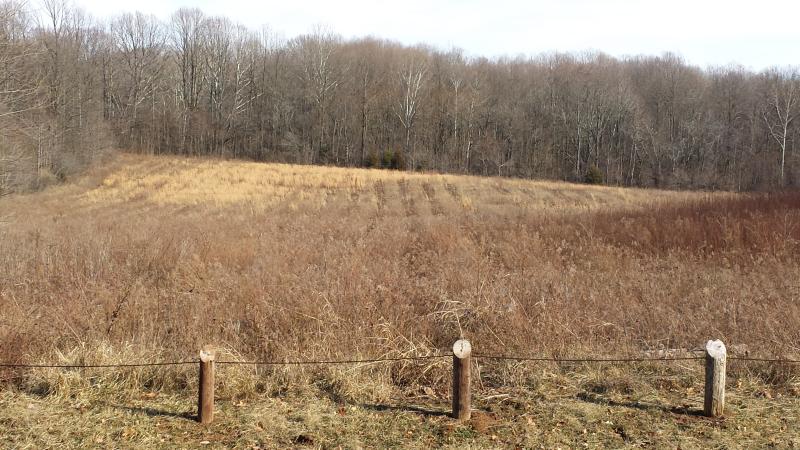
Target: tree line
71,86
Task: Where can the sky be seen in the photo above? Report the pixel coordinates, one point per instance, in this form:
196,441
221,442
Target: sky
755,34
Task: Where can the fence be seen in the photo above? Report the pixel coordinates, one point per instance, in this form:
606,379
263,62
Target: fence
713,405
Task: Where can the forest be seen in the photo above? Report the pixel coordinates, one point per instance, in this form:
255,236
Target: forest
72,87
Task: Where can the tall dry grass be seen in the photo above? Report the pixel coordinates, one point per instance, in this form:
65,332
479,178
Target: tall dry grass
160,256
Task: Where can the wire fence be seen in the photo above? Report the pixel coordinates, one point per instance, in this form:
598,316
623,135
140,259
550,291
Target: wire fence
8,365
586,360
715,357
335,362
769,360
92,366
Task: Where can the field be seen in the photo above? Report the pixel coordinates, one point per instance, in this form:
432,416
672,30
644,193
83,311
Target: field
151,258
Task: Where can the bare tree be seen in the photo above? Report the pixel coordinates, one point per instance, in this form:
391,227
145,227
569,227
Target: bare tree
369,73
140,43
319,76
20,98
217,56
186,43
780,111
411,78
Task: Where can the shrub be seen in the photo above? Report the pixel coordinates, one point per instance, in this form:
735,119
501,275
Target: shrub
393,160
388,157
372,160
398,161
594,175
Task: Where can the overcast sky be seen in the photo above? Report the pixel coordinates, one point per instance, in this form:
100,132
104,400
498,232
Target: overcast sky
756,34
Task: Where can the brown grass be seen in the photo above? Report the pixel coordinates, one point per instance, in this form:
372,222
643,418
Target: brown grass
151,258
589,408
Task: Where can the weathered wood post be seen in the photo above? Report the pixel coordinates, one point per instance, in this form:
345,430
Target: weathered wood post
205,401
716,354
462,397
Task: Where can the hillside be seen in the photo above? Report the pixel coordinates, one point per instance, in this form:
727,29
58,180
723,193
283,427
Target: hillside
151,258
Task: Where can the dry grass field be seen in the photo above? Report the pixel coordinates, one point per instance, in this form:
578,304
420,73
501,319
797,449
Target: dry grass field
150,258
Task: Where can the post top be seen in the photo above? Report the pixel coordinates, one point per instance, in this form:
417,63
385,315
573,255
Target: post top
462,348
207,355
716,349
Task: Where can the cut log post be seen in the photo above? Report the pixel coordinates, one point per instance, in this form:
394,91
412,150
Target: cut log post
716,354
462,397
205,402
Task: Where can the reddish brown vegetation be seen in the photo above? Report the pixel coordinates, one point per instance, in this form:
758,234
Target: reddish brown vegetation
746,224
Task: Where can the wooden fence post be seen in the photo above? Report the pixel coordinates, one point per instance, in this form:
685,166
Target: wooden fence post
205,401
716,354
462,398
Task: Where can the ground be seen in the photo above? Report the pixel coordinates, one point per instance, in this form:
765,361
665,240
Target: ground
564,411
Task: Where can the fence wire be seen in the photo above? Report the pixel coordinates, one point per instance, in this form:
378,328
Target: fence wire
396,359
92,366
769,360
331,362
587,360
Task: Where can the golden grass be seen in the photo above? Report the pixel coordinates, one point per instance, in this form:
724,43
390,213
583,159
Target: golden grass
211,183
586,409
